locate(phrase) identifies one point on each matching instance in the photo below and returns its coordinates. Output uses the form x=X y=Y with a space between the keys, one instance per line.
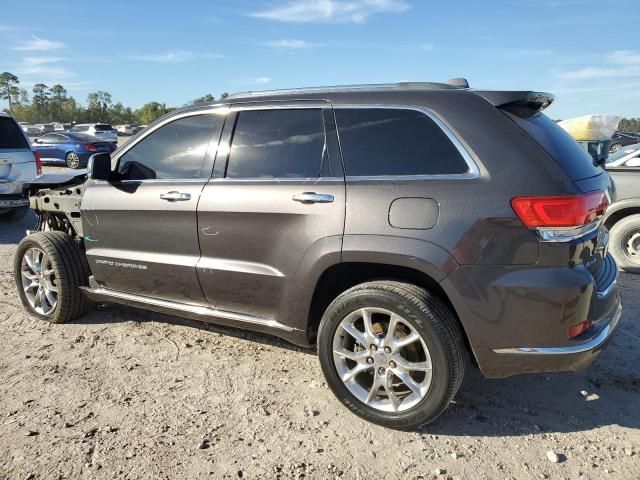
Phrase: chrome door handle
x=175 y=196
x=312 y=197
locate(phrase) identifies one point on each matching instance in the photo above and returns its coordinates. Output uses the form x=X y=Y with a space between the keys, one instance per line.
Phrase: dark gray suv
x=406 y=230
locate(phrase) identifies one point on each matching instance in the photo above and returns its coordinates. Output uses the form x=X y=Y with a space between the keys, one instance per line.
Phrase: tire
x=615 y=147
x=13 y=214
x=624 y=243
x=63 y=259
x=418 y=312
x=72 y=160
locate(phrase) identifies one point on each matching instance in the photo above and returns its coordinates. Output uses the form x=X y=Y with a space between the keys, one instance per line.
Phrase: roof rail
x=352 y=88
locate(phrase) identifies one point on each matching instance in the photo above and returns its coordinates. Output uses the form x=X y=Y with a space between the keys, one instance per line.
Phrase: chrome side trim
x=581 y=348
x=122 y=297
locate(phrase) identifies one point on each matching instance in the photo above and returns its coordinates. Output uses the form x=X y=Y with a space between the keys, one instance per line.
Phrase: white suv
x=18 y=164
x=103 y=131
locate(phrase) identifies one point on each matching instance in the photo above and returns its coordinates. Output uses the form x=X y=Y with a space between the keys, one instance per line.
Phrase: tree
x=208 y=98
x=150 y=111
x=41 y=100
x=8 y=87
x=98 y=104
x=224 y=95
x=58 y=96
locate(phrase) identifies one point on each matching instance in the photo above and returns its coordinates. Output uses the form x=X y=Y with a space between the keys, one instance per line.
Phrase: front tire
x=392 y=353
x=624 y=243
x=615 y=147
x=72 y=160
x=49 y=269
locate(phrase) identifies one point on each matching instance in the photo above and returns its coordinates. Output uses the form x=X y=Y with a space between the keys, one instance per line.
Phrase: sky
x=585 y=52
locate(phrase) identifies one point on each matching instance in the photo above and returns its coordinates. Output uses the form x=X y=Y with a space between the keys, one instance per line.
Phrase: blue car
x=70 y=148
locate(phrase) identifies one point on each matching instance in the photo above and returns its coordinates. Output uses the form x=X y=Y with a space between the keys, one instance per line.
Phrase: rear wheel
x=624 y=243
x=72 y=160
x=49 y=270
x=615 y=147
x=392 y=353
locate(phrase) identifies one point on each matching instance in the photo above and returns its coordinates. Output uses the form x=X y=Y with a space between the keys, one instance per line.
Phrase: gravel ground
x=124 y=393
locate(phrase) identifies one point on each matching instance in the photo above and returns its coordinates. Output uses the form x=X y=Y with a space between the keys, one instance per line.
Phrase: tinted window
x=80 y=128
x=10 y=134
x=380 y=141
x=175 y=150
x=102 y=127
x=574 y=160
x=277 y=144
x=52 y=138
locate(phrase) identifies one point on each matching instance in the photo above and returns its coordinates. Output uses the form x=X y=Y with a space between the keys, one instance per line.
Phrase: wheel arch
x=620 y=210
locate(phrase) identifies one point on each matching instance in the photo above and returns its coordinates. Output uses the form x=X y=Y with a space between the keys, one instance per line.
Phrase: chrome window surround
x=473 y=172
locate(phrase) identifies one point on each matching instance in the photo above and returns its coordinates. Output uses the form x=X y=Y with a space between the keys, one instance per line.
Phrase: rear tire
x=72 y=160
x=49 y=269
x=624 y=243
x=382 y=393
x=615 y=147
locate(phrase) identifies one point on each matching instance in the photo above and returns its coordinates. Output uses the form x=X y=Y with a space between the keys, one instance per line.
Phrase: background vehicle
x=70 y=148
x=125 y=129
x=32 y=131
x=18 y=164
x=237 y=213
x=623 y=216
x=620 y=140
x=104 y=131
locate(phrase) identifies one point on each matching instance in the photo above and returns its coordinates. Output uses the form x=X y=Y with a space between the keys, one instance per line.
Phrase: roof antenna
x=458 y=82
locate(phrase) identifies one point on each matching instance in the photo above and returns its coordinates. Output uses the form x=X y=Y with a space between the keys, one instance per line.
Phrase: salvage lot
x=123 y=393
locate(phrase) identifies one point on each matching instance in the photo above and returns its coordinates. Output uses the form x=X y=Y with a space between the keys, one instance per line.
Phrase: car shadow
x=12 y=231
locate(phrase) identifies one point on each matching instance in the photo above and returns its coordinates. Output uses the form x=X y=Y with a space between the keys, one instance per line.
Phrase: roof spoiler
x=535 y=100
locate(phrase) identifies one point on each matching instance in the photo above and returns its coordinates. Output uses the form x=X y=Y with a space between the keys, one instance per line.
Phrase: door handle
x=175 y=196
x=312 y=197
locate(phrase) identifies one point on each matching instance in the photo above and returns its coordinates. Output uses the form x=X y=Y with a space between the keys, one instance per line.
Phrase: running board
x=181 y=309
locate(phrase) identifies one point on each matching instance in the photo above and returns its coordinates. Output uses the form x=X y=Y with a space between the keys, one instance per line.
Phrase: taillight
x=92 y=148
x=561 y=218
x=579 y=328
x=36 y=155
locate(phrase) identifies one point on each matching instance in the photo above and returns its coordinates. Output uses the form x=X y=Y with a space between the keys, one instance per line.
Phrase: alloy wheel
x=382 y=359
x=73 y=161
x=631 y=245
x=39 y=281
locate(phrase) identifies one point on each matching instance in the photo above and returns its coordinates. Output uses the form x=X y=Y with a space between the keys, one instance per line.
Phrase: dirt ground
x=124 y=393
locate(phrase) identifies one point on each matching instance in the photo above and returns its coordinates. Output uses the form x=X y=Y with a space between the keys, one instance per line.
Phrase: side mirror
x=100 y=166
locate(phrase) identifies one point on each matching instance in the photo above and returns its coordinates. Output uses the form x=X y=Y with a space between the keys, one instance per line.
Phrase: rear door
x=141 y=230
x=277 y=196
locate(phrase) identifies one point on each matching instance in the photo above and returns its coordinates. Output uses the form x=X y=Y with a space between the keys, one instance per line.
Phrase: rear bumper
x=527 y=359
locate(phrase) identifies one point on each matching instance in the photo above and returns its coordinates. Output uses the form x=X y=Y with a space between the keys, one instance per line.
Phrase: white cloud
x=172 y=56
x=39 y=44
x=333 y=11
x=40 y=60
x=43 y=69
x=261 y=80
x=291 y=44
x=617 y=64
x=624 y=57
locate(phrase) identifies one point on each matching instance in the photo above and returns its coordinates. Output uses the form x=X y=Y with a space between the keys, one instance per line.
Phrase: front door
x=277 y=195
x=141 y=230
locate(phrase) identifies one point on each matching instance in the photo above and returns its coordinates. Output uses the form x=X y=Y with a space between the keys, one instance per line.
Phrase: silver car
x=103 y=131
x=18 y=164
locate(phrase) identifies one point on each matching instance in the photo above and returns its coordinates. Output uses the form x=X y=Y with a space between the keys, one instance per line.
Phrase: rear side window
x=382 y=141
x=277 y=144
x=174 y=151
x=574 y=160
x=10 y=134
x=80 y=128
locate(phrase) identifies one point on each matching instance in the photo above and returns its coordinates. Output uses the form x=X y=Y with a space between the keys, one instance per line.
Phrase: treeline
x=46 y=104
x=629 y=125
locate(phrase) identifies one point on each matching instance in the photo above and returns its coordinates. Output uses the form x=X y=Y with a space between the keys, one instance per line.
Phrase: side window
x=49 y=138
x=175 y=150
x=277 y=144
x=381 y=141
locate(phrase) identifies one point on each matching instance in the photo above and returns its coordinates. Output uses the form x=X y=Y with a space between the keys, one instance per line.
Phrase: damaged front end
x=56 y=198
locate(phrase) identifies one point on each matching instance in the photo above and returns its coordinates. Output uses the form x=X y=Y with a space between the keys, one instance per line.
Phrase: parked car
x=70 y=148
x=32 y=130
x=620 y=140
x=400 y=228
x=18 y=164
x=61 y=127
x=125 y=130
x=623 y=216
x=103 y=131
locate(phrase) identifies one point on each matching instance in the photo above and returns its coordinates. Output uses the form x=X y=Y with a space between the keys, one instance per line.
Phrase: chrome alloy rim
x=631 y=245
x=382 y=360
x=39 y=281
x=73 y=160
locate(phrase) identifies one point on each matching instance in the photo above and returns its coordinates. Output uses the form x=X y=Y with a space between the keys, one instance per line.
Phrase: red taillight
x=36 y=155
x=579 y=328
x=560 y=211
x=92 y=148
